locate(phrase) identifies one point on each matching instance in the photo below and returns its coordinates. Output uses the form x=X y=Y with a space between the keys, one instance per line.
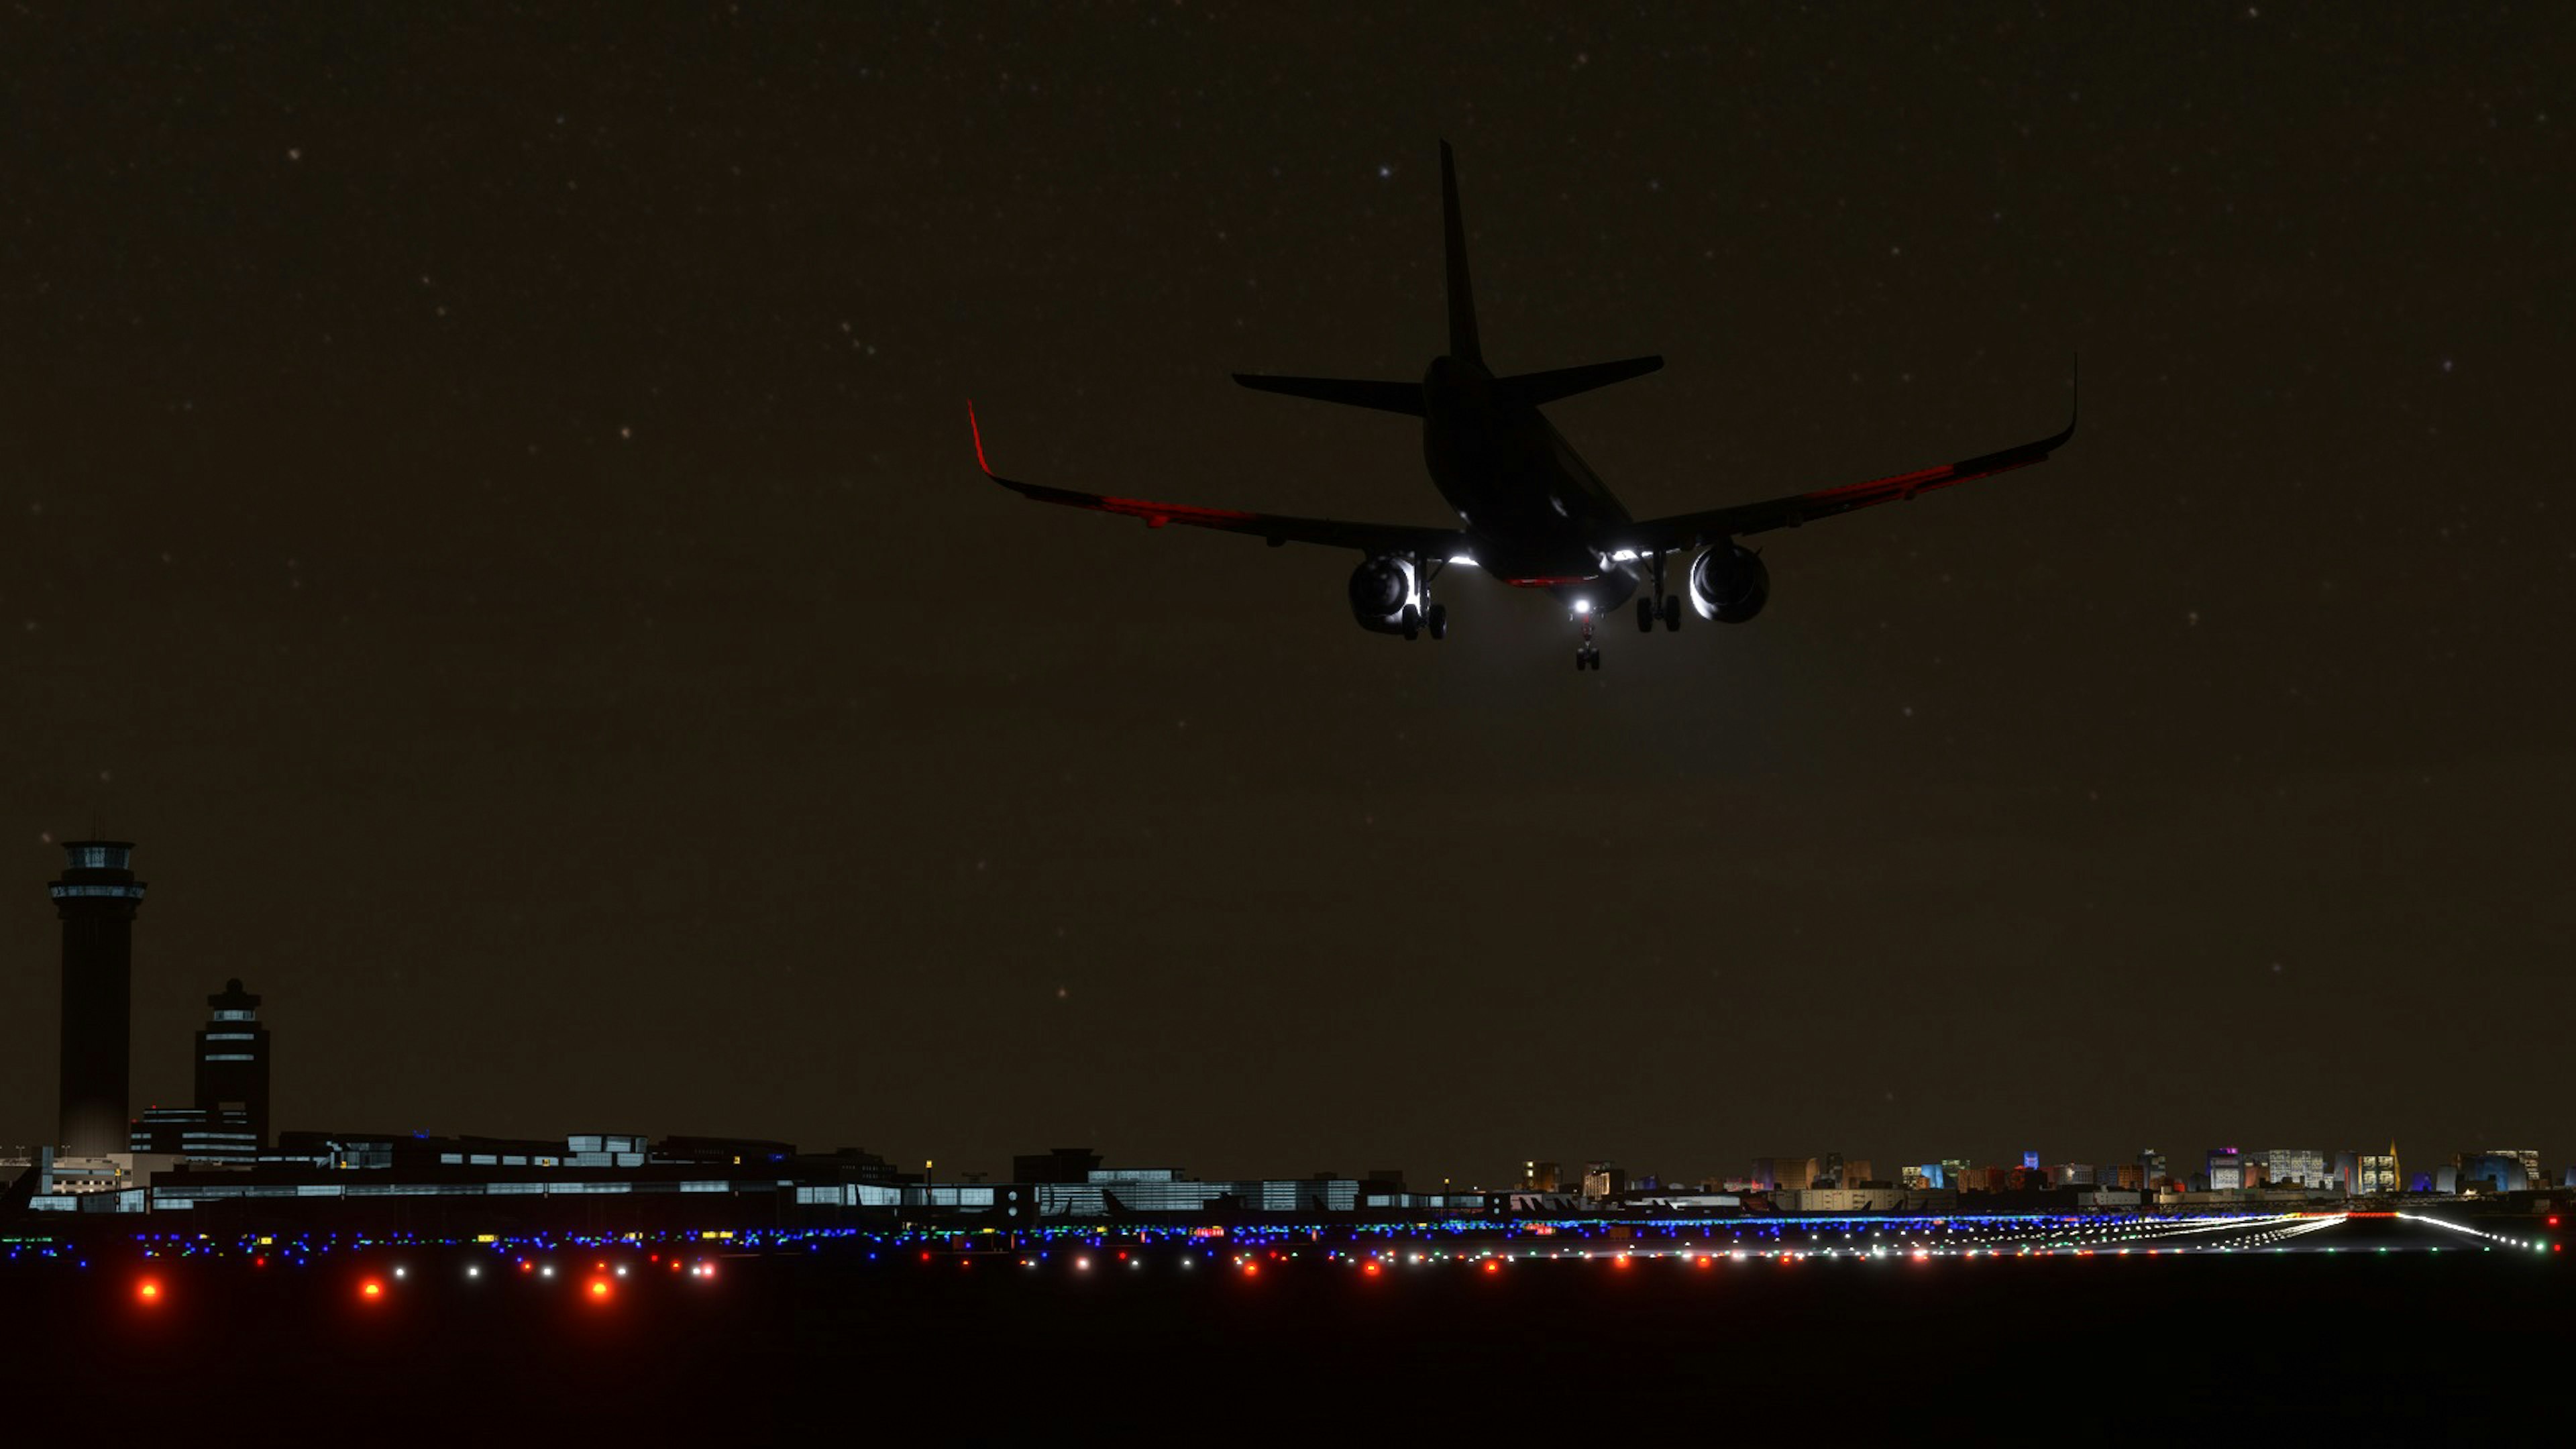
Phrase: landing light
x=1583 y=606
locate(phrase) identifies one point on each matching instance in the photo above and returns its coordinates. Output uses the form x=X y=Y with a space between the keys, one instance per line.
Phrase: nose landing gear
x=1586 y=654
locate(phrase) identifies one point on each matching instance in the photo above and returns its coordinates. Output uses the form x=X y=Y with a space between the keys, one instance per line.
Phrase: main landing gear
x=1416 y=619
x=1659 y=605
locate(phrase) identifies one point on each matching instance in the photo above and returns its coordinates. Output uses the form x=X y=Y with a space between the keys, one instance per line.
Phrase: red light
x=1370 y=1269
x=2553 y=1222
x=925 y=1257
x=675 y=1265
x=259 y=1262
x=1621 y=1260
x=371 y=1290
x=1492 y=1266
x=1251 y=1270
x=598 y=1288
x=526 y=1267
x=148 y=1291
x=1703 y=1262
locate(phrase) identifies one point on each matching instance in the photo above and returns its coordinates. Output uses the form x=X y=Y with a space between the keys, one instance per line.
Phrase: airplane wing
x=1695 y=530
x=1274 y=528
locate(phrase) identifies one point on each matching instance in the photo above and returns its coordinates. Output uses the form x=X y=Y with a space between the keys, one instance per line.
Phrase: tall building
x=2151 y=1164
x=1775 y=1173
x=2295 y=1166
x=230 y=1119
x=2364 y=1173
x=232 y=1060
x=1540 y=1176
x=96 y=899
x=2226 y=1169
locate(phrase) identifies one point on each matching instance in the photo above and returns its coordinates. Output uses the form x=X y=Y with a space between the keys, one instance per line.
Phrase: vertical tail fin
x=1462 y=299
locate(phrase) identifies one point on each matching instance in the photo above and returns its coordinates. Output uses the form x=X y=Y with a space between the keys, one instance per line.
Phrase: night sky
x=487 y=505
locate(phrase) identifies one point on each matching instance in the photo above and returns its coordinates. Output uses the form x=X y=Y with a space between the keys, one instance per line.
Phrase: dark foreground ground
x=978 y=1348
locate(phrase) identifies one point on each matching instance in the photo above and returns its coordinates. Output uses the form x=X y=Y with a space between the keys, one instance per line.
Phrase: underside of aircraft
x=1530 y=512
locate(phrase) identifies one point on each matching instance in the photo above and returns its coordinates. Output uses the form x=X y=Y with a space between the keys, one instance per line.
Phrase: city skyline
x=231 y=1110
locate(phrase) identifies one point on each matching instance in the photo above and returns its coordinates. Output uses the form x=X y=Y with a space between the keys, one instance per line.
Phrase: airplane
x=1530 y=513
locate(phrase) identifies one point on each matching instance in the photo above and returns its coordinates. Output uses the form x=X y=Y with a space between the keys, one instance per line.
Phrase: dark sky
x=487 y=505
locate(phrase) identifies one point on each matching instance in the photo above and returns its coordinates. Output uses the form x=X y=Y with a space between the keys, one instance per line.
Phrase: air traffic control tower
x=96 y=899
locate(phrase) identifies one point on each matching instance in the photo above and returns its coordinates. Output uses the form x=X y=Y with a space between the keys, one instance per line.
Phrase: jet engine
x=1728 y=583
x=1384 y=591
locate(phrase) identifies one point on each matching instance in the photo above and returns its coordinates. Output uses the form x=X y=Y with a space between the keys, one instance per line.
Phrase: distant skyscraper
x=96 y=899
x=1540 y=1176
x=2152 y=1164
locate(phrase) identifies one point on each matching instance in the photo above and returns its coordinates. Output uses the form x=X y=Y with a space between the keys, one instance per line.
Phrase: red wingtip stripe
x=978 y=430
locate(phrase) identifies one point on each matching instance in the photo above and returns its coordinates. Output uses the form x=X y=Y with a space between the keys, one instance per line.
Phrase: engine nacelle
x=1383 y=588
x=1729 y=584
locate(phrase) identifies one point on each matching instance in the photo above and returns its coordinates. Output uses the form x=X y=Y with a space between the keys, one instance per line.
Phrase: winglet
x=978 y=430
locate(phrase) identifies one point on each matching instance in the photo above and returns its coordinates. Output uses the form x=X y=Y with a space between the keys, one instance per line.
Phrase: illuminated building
x=2295 y=1166
x=2528 y=1157
x=1791 y=1173
x=2152 y=1164
x=2365 y=1173
x=2071 y=1174
x=230 y=1119
x=2492 y=1172
x=1604 y=1181
x=2226 y=1170
x=96 y=899
x=2128 y=1175
x=1540 y=1176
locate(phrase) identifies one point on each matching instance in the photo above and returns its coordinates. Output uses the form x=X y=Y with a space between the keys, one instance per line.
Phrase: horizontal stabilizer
x=1386 y=397
x=1533 y=388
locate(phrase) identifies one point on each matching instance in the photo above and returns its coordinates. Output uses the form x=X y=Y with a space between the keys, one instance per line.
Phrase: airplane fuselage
x=1532 y=505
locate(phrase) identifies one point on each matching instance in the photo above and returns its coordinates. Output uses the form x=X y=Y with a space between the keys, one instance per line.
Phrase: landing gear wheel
x=1582 y=660
x=1410 y=621
x=1438 y=621
x=1672 y=612
x=1645 y=616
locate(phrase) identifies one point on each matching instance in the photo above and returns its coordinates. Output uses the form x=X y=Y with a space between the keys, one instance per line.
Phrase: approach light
x=148 y=1291
x=371 y=1290
x=598 y=1289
